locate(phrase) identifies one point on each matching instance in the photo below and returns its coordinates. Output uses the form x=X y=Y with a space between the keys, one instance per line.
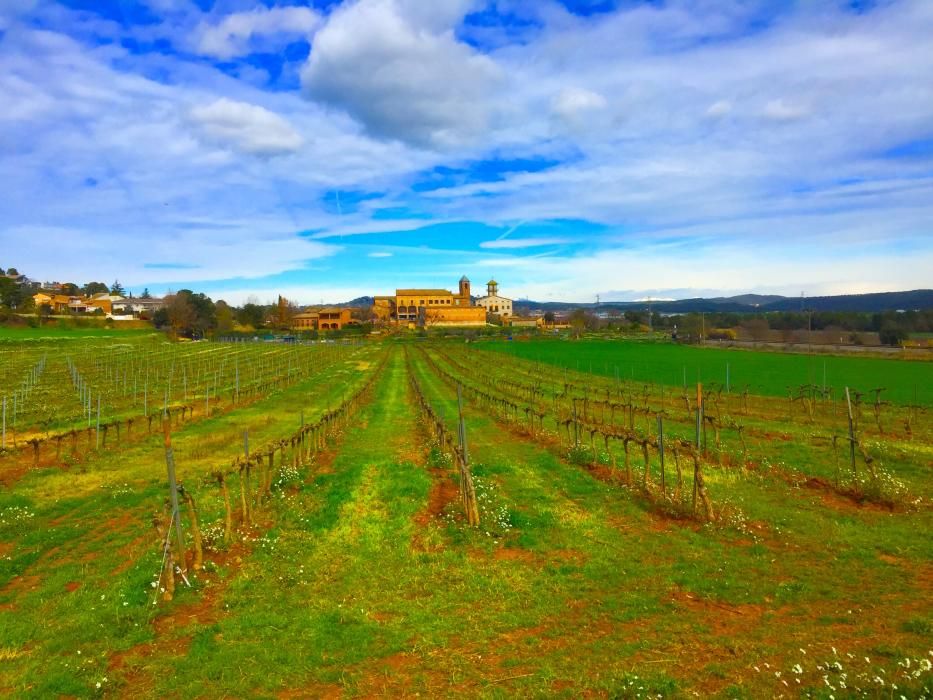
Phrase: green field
x=52 y=331
x=348 y=569
x=771 y=373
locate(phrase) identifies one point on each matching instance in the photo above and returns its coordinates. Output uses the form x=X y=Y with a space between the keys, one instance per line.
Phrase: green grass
x=765 y=372
x=361 y=577
x=53 y=331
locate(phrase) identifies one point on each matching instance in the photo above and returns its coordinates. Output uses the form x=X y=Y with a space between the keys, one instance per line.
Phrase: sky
x=567 y=148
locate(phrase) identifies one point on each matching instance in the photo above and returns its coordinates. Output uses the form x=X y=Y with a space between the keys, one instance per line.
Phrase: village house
x=138 y=306
x=328 y=318
x=305 y=321
x=21 y=280
x=333 y=318
x=109 y=304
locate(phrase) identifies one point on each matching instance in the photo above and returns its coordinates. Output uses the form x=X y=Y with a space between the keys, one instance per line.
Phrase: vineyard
x=448 y=518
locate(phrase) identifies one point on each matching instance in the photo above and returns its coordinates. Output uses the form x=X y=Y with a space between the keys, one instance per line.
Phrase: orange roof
x=425 y=292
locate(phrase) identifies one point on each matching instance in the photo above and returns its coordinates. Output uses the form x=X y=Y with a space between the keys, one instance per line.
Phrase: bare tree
x=757 y=328
x=181 y=314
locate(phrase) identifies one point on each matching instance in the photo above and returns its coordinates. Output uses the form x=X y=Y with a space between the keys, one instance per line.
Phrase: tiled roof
x=425 y=292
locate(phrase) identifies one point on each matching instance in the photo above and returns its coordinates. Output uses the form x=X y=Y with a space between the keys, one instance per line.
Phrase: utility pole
x=810 y=331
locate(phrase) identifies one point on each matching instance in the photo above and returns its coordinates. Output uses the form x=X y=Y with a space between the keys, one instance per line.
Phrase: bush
x=721 y=334
x=892 y=335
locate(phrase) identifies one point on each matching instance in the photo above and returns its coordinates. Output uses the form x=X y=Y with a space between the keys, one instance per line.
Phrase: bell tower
x=492 y=288
x=465 y=289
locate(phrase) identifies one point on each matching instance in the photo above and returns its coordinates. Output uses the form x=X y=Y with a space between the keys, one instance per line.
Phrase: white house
x=493 y=303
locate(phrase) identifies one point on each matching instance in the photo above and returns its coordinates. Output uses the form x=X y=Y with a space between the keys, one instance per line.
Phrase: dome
x=492 y=283
x=464 y=279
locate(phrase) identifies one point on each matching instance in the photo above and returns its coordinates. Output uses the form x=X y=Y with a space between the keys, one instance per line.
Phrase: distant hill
x=749 y=303
x=881 y=301
x=750 y=299
x=742 y=303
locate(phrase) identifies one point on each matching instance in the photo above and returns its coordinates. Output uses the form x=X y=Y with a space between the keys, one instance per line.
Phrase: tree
x=92 y=288
x=251 y=314
x=581 y=320
x=146 y=294
x=70 y=289
x=117 y=289
x=179 y=314
x=203 y=314
x=891 y=334
x=43 y=312
x=757 y=328
x=689 y=327
x=12 y=295
x=13 y=271
x=285 y=312
x=224 y=316
x=549 y=318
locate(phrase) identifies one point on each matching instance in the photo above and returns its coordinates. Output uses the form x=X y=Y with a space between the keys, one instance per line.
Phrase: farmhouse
x=430 y=307
x=305 y=321
x=329 y=318
x=333 y=318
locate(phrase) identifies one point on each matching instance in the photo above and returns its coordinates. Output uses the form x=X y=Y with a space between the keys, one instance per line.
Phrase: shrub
x=892 y=335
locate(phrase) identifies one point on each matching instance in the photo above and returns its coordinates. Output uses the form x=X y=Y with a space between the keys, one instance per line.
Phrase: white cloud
x=170 y=257
x=783 y=111
x=11 y=10
x=726 y=269
x=720 y=108
x=571 y=104
x=380 y=254
x=235 y=34
x=398 y=68
x=688 y=126
x=516 y=243
x=249 y=128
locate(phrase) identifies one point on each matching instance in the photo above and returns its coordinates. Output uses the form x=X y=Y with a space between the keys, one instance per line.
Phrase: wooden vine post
x=228 y=511
x=244 y=479
x=699 y=413
x=661 y=451
x=173 y=492
x=851 y=434
x=469 y=493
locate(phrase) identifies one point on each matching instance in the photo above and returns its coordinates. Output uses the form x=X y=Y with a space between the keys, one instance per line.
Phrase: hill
x=751 y=303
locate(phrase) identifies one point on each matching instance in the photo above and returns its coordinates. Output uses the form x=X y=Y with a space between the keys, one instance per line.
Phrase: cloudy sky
x=567 y=147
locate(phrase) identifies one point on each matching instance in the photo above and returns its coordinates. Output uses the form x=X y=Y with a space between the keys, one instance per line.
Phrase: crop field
x=768 y=373
x=443 y=518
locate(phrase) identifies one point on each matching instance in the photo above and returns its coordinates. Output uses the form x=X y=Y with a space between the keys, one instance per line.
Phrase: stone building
x=493 y=303
x=430 y=307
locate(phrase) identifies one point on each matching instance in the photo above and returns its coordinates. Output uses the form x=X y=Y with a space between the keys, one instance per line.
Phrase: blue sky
x=568 y=148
